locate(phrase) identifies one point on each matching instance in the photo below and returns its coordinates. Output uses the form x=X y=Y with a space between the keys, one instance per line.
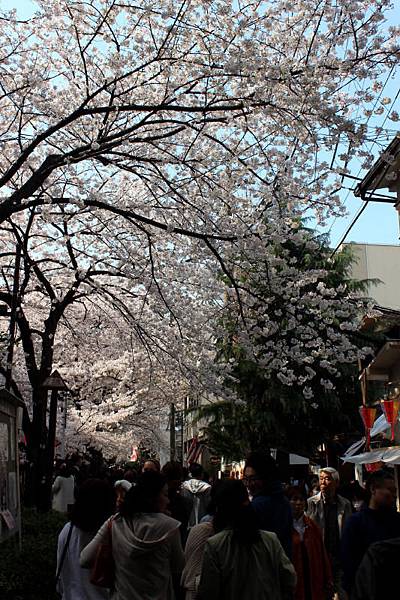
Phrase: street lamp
x=55 y=383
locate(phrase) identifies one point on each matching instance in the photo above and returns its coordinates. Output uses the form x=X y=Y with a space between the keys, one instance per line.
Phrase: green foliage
x=29 y=574
x=273 y=414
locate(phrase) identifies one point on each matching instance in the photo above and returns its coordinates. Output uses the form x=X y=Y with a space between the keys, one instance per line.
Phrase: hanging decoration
x=368 y=414
x=391 y=409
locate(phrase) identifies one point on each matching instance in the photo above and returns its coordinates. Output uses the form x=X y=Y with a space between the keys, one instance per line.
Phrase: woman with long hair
x=240 y=561
x=94 y=504
x=146 y=544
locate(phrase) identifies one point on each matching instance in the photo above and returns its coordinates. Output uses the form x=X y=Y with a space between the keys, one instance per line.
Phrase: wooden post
x=172 y=439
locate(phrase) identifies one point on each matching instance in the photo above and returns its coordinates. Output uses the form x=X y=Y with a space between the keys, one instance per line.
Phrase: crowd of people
x=175 y=536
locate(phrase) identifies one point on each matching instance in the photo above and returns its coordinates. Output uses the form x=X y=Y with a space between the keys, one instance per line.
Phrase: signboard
x=10 y=512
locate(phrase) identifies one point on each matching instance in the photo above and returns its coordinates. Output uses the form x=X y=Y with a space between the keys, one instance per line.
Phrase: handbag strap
x=64 y=552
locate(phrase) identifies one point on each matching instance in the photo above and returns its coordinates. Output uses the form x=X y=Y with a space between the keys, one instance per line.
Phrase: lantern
x=368 y=416
x=391 y=410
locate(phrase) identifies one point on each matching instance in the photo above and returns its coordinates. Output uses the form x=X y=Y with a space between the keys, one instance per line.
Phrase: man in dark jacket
x=378 y=521
x=261 y=476
x=377 y=576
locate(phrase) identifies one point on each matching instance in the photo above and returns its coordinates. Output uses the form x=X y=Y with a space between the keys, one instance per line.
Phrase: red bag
x=103 y=570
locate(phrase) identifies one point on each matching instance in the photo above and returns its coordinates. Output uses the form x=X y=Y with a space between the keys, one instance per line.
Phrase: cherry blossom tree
x=148 y=151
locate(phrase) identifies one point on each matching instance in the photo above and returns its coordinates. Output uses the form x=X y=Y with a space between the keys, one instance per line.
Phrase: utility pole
x=172 y=436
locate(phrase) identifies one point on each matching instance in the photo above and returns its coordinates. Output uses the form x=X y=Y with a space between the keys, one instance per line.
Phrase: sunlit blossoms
x=151 y=151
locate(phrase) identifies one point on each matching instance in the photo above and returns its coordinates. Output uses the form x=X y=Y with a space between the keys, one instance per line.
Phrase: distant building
x=378 y=262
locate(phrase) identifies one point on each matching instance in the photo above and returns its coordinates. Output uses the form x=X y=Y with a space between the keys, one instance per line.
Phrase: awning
x=390 y=456
x=295 y=459
x=380 y=426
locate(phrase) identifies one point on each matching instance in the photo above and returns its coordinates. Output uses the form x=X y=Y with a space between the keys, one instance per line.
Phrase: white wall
x=378 y=261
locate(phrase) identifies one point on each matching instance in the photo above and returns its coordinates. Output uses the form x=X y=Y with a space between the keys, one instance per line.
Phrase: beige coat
x=147 y=552
x=315 y=510
x=63 y=493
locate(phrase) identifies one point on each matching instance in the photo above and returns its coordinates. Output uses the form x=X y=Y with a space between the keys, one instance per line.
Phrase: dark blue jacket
x=361 y=530
x=274 y=514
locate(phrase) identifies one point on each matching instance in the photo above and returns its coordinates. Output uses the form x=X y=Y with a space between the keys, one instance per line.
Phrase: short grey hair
x=331 y=471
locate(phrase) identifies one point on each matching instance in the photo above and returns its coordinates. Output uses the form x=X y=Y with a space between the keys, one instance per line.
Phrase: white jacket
x=74 y=582
x=199 y=492
x=63 y=493
x=147 y=552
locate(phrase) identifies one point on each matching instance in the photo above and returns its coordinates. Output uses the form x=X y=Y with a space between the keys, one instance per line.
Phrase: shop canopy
x=381 y=425
x=390 y=456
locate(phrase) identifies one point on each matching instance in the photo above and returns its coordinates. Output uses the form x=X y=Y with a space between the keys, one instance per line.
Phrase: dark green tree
x=272 y=411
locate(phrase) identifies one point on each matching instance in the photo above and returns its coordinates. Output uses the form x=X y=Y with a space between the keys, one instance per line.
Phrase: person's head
x=328 y=481
x=64 y=470
x=121 y=486
x=196 y=470
x=381 y=490
x=260 y=472
x=233 y=510
x=150 y=494
x=93 y=505
x=130 y=475
x=76 y=460
x=173 y=473
x=297 y=499
x=151 y=464
x=357 y=495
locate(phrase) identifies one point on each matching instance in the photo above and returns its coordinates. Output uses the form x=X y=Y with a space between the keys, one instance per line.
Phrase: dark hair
x=143 y=496
x=172 y=471
x=212 y=507
x=296 y=491
x=154 y=461
x=64 y=470
x=130 y=475
x=231 y=511
x=264 y=465
x=196 y=470
x=376 y=480
x=93 y=505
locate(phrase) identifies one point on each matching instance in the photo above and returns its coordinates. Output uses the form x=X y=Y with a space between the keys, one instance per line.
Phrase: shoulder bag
x=103 y=570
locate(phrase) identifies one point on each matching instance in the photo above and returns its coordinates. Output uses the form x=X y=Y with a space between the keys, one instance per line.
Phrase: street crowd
x=172 y=535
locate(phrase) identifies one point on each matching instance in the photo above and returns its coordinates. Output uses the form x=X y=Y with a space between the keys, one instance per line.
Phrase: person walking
x=195 y=544
x=310 y=559
x=146 y=544
x=63 y=490
x=378 y=521
x=94 y=504
x=196 y=491
x=240 y=561
x=121 y=486
x=330 y=511
x=180 y=506
x=377 y=576
x=272 y=508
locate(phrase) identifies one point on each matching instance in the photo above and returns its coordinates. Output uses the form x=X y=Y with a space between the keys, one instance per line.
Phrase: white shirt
x=74 y=582
x=300 y=526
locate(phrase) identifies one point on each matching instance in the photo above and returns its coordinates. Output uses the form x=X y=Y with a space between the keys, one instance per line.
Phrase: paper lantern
x=391 y=410
x=368 y=414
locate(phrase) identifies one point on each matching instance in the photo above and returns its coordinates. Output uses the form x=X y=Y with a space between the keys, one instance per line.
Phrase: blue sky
x=379 y=223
